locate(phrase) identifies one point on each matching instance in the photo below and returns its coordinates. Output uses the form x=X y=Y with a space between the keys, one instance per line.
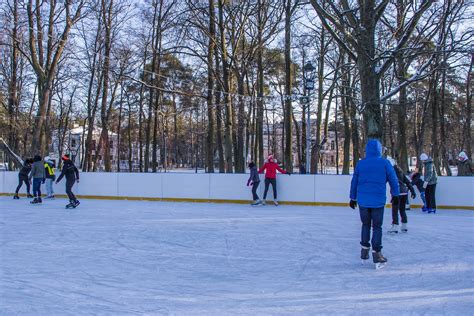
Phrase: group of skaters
x=37 y=171
x=368 y=191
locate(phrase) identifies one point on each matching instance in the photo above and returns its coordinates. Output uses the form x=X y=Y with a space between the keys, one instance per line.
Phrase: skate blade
x=380 y=265
x=364 y=261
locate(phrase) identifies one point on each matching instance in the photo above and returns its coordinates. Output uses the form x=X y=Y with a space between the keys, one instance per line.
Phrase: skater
x=430 y=180
x=417 y=181
x=464 y=165
x=49 y=165
x=23 y=178
x=38 y=175
x=254 y=181
x=405 y=186
x=72 y=175
x=270 y=167
x=368 y=190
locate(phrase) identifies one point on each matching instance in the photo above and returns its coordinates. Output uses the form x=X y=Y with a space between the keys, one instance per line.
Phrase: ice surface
x=153 y=258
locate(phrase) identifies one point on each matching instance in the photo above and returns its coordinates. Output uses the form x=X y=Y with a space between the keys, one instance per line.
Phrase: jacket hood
x=373 y=149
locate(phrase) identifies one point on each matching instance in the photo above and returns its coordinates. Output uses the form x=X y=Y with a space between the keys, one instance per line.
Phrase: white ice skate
x=393 y=229
x=379 y=260
x=404 y=228
x=257 y=203
x=275 y=202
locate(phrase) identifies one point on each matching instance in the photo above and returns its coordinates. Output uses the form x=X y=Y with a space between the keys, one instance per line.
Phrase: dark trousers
x=69 y=185
x=254 y=190
x=37 y=186
x=20 y=183
x=371 y=218
x=430 y=194
x=400 y=208
x=273 y=182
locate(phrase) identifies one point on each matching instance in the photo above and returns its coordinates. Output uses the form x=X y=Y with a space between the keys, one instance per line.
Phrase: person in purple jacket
x=368 y=190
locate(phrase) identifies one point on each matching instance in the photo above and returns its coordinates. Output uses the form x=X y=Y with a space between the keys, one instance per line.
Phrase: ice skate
x=16 y=197
x=364 y=254
x=424 y=209
x=379 y=260
x=404 y=228
x=256 y=203
x=275 y=202
x=264 y=202
x=49 y=197
x=70 y=205
x=30 y=196
x=393 y=229
x=431 y=210
x=35 y=201
x=75 y=203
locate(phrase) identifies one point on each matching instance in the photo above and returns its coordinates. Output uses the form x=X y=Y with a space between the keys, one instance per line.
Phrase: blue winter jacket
x=369 y=183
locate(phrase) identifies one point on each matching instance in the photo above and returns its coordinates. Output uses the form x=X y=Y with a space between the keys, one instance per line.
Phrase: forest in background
x=205 y=84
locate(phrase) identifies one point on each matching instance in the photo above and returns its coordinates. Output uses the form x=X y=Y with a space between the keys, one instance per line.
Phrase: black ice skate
x=364 y=254
x=256 y=203
x=76 y=203
x=35 y=201
x=30 y=196
x=379 y=260
x=16 y=197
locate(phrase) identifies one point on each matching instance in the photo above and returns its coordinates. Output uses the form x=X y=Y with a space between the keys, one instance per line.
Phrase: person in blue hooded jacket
x=368 y=190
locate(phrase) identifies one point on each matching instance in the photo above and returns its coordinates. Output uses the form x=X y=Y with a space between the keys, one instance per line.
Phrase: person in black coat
x=71 y=173
x=254 y=181
x=400 y=207
x=23 y=178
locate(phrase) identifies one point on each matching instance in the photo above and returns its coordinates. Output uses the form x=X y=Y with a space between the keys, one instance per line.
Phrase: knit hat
x=423 y=157
x=462 y=156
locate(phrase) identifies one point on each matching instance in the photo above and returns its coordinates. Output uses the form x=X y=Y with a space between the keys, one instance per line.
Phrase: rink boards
x=330 y=190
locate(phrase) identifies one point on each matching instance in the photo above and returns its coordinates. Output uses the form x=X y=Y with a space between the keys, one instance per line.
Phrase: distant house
x=74 y=145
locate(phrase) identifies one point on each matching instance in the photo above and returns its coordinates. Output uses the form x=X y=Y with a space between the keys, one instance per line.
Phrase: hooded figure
x=368 y=189
x=464 y=165
x=49 y=166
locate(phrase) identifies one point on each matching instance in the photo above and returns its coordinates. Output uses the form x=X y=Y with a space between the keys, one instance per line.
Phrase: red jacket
x=271 y=170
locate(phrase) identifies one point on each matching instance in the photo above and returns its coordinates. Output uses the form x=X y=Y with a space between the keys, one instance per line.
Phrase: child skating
x=71 y=173
x=430 y=178
x=254 y=181
x=49 y=165
x=400 y=207
x=417 y=181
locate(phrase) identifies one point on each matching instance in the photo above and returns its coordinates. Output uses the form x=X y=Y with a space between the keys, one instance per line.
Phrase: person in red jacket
x=270 y=167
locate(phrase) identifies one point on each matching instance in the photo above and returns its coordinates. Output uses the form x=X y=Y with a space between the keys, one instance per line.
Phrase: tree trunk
x=288 y=112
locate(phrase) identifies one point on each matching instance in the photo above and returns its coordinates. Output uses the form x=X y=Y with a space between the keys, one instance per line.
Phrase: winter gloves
x=249 y=183
x=353 y=204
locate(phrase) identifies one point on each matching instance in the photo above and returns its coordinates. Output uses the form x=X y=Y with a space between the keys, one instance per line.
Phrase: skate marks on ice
x=128 y=257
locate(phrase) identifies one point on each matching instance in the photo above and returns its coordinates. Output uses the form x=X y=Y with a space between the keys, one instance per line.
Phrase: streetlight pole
x=309 y=85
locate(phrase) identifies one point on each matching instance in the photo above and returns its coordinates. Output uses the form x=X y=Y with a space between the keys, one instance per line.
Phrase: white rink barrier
x=451 y=192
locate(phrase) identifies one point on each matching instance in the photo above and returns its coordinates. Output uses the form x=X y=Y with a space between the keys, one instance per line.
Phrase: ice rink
x=157 y=258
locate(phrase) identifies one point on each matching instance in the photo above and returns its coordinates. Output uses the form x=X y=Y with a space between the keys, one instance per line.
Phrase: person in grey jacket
x=464 y=165
x=38 y=175
x=430 y=180
x=254 y=181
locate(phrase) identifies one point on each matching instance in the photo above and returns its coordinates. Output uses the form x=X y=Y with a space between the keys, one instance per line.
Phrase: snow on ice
x=156 y=258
